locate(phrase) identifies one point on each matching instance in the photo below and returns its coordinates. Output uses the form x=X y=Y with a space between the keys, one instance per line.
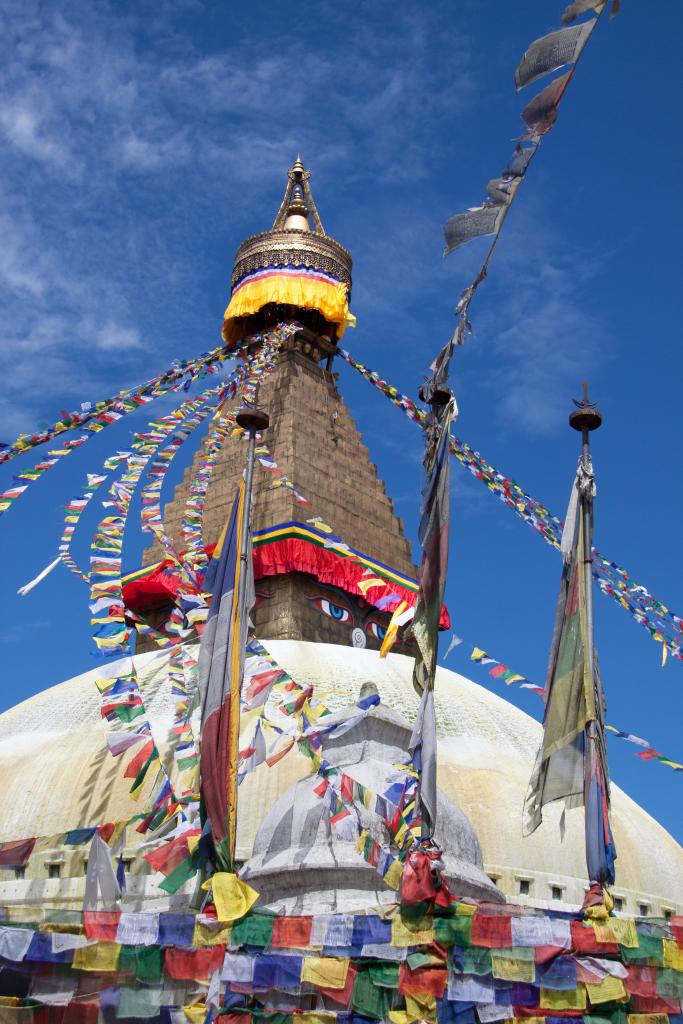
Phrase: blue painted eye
x=377 y=631
x=335 y=611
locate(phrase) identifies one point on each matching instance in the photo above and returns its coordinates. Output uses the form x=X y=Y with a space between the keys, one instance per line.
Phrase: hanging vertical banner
x=572 y=762
x=221 y=666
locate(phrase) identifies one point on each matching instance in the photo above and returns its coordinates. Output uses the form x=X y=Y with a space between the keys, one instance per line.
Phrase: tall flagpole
x=600 y=850
x=253 y=421
x=586 y=418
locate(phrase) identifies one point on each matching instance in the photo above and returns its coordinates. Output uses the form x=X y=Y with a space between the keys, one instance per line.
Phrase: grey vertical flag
x=463 y=227
x=424 y=739
x=552 y=52
x=100 y=879
x=518 y=162
x=502 y=190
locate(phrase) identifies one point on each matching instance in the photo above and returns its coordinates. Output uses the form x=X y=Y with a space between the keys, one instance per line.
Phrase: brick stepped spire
x=312 y=438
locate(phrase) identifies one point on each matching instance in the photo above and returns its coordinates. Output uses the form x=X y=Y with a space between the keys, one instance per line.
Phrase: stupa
x=313 y=621
x=326 y=913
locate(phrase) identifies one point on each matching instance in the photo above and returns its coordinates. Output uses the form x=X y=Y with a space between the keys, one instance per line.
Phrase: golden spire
x=298 y=204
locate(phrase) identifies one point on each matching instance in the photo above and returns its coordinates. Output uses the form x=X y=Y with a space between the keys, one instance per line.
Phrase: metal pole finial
x=586 y=416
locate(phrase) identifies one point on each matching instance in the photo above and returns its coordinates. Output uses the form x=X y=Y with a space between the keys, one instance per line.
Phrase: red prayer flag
x=430 y=980
x=492 y=931
x=544 y=954
x=78 y=1012
x=101 y=924
x=16 y=853
x=642 y=980
x=259 y=682
x=193 y=965
x=292 y=932
x=136 y=763
x=168 y=856
x=654 y=1004
x=584 y=940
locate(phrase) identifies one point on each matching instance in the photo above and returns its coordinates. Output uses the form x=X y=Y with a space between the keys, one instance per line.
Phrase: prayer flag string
x=94 y=418
x=613 y=580
x=546 y=55
x=509 y=677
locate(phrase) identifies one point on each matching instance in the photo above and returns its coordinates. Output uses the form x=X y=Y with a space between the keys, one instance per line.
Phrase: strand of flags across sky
x=505 y=674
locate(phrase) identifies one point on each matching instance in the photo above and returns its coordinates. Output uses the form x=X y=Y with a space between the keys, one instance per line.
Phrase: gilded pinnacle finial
x=298 y=204
x=298 y=168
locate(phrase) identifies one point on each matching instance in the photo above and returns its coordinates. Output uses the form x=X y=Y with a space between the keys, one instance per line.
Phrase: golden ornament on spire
x=294 y=267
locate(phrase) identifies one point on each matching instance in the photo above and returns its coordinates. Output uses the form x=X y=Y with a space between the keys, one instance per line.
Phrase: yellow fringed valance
x=303 y=290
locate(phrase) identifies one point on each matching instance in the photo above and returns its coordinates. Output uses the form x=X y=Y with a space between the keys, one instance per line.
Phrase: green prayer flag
x=253 y=930
x=140 y=777
x=453 y=931
x=669 y=983
x=139 y=1002
x=614 y=1016
x=384 y=975
x=129 y=714
x=476 y=960
x=649 y=950
x=181 y=874
x=369 y=999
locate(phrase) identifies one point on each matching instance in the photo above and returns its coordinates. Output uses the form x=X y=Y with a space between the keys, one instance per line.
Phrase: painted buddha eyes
x=379 y=632
x=335 y=611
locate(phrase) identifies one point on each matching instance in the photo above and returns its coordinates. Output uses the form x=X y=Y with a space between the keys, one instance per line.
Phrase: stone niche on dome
x=299 y=866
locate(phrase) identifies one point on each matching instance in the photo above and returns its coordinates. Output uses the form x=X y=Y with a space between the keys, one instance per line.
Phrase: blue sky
x=141 y=142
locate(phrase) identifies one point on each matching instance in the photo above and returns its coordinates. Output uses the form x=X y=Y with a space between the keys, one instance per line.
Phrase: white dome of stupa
x=58 y=774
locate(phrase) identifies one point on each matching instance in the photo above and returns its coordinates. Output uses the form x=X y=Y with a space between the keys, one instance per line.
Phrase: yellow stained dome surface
x=58 y=773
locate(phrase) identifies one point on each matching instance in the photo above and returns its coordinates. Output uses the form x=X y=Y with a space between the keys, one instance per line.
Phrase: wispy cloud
x=122 y=132
x=543 y=333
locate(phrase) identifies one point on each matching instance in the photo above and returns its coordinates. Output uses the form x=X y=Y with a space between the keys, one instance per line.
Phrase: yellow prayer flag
x=103 y=956
x=510 y=968
x=647 y=1018
x=232 y=897
x=617 y=929
x=403 y=934
x=465 y=909
x=314 y=1017
x=392 y=630
x=206 y=935
x=195 y=1014
x=673 y=954
x=325 y=971
x=477 y=653
x=369 y=583
x=394 y=875
x=421 y=1007
x=63 y=929
x=608 y=990
x=568 y=999
x=320 y=525
x=398 y=1017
